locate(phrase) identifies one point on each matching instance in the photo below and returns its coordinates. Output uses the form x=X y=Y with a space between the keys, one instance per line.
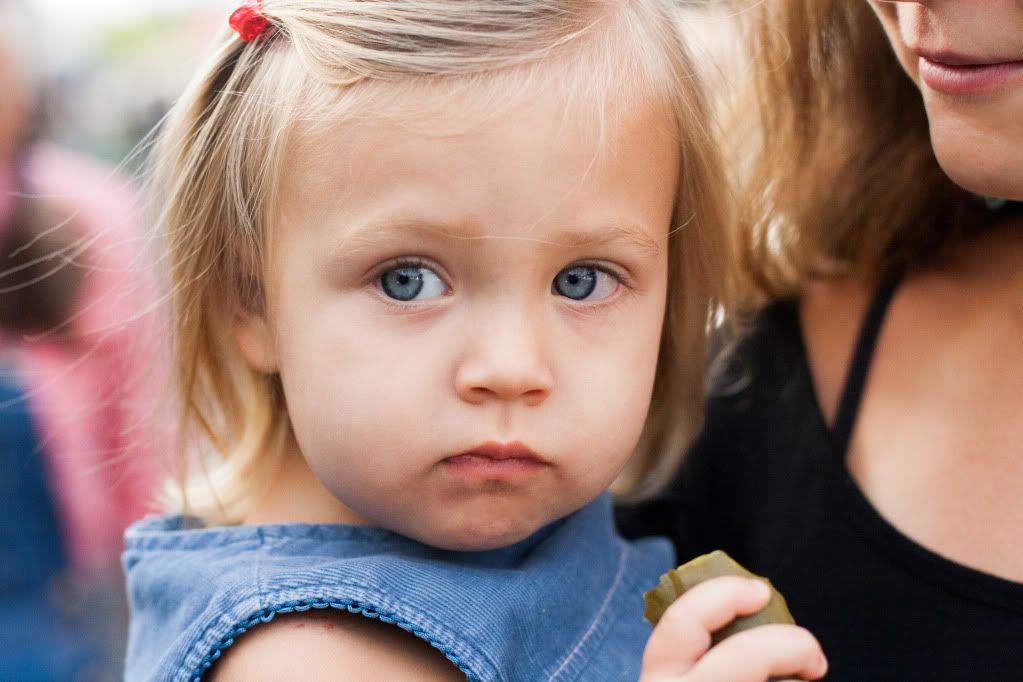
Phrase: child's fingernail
x=761 y=587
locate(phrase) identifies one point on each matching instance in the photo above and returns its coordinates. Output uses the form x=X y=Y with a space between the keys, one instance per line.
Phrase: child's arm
x=331 y=646
x=680 y=650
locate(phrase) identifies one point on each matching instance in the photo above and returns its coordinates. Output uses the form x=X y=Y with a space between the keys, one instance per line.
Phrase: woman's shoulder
x=814 y=332
x=831 y=315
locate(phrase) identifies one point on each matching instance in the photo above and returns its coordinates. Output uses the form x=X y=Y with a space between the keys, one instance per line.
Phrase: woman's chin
x=995 y=175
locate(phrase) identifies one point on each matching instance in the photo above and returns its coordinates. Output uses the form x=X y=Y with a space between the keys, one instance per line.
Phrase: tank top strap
x=859 y=367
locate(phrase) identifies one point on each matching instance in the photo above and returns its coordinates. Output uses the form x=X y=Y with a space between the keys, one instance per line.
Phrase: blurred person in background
x=73 y=389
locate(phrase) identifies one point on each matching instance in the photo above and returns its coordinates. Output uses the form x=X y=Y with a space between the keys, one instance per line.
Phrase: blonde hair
x=841 y=179
x=220 y=158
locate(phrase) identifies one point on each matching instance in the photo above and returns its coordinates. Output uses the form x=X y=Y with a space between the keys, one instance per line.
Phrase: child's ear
x=255 y=341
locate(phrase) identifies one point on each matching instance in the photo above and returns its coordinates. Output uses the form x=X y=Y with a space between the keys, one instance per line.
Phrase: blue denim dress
x=565 y=604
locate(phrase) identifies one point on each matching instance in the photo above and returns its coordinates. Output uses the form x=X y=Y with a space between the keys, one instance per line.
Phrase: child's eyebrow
x=380 y=234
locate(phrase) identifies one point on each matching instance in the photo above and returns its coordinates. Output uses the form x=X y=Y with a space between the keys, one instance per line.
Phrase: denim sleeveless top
x=564 y=604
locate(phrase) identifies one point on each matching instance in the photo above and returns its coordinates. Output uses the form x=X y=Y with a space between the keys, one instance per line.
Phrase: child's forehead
x=420 y=144
x=426 y=107
x=399 y=132
x=590 y=84
x=536 y=180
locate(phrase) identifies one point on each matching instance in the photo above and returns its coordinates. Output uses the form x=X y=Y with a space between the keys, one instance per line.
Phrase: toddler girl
x=441 y=273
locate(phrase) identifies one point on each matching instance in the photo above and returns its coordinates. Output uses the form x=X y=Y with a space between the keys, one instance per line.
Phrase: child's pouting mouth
x=509 y=462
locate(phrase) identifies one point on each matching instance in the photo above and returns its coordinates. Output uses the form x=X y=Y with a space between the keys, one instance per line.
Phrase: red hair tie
x=248 y=21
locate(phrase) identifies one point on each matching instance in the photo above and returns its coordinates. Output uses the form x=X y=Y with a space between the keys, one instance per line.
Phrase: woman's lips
x=496 y=462
x=961 y=75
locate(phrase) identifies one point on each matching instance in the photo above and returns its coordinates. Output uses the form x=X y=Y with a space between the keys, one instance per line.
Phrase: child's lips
x=493 y=461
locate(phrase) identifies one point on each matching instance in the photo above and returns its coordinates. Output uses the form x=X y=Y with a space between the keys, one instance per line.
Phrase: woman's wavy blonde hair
x=221 y=155
x=838 y=178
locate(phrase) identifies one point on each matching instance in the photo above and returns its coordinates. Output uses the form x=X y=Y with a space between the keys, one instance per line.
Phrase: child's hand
x=680 y=650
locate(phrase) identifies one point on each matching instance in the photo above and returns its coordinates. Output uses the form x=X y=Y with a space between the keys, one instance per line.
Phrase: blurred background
x=81 y=83
x=110 y=68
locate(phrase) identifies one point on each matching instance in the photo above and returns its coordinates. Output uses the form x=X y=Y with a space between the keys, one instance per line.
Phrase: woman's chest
x=938 y=451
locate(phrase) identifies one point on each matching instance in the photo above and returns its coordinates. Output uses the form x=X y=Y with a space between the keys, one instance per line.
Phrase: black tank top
x=767 y=482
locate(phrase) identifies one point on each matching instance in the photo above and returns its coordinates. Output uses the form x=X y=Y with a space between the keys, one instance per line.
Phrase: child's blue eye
x=584 y=282
x=408 y=283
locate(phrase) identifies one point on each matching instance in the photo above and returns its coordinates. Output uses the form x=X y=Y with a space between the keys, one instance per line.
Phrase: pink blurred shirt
x=92 y=399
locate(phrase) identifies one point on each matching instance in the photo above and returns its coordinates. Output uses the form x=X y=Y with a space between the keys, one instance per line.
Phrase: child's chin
x=483 y=537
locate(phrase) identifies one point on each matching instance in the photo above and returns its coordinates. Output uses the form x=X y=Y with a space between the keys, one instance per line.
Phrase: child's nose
x=505 y=360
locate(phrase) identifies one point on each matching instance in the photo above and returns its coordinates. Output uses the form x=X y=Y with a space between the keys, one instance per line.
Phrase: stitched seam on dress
x=267 y=614
x=259 y=567
x=600 y=613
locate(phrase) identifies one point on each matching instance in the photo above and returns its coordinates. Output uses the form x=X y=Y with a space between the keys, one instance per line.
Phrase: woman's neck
x=991 y=260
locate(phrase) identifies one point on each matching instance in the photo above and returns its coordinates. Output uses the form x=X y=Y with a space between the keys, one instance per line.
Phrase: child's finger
x=683 y=634
x=767 y=651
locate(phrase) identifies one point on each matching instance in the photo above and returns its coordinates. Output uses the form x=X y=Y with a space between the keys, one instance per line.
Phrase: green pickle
x=674 y=584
